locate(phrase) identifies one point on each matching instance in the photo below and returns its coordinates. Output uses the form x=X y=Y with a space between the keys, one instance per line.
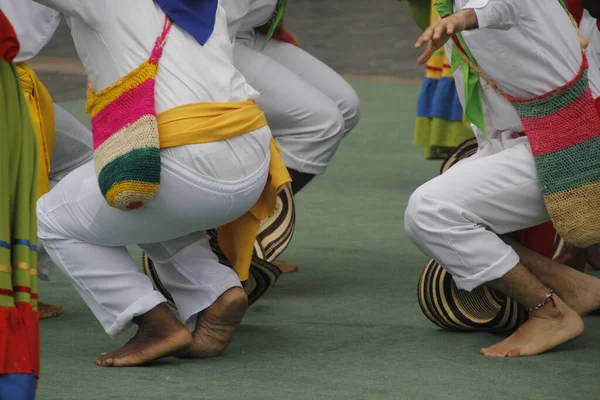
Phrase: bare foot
x=217 y=324
x=285 y=267
x=546 y=328
x=49 y=310
x=159 y=335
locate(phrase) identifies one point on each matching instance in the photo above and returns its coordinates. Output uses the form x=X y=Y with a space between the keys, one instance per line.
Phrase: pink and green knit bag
x=125 y=134
x=563 y=128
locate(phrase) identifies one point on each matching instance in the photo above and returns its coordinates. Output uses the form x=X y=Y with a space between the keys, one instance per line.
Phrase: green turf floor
x=348 y=325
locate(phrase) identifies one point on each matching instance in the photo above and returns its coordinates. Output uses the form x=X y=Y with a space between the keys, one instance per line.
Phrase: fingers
x=450 y=28
x=426 y=54
x=424 y=38
x=439 y=30
x=435 y=36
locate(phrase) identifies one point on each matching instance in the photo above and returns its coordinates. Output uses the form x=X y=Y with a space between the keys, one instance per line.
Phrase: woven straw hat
x=464 y=150
x=274 y=235
x=483 y=309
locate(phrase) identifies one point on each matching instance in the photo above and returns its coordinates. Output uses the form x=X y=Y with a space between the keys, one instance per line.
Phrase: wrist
x=468 y=19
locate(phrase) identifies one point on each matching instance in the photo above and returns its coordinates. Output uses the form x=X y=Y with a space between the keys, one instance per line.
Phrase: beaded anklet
x=549 y=298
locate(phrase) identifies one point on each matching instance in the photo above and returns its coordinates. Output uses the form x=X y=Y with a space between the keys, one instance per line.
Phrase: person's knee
x=422 y=217
x=414 y=215
x=45 y=228
x=350 y=109
x=327 y=123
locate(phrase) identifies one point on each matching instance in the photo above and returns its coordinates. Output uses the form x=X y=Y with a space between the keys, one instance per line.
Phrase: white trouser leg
x=456 y=217
x=72 y=149
x=307 y=124
x=191 y=273
x=317 y=74
x=73 y=145
x=85 y=236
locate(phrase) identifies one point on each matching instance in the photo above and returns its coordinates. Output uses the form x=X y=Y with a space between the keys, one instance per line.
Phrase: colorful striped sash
x=125 y=134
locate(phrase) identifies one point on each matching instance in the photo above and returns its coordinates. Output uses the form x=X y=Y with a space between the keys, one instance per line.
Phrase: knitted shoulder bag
x=563 y=128
x=125 y=134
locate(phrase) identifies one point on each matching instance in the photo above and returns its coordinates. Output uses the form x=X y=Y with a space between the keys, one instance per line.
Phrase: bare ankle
x=554 y=309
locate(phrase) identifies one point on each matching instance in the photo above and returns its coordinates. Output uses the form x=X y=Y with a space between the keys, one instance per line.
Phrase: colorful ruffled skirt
x=440 y=124
x=19 y=318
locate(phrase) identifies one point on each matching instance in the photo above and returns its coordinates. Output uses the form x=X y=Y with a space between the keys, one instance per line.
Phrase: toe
x=513 y=353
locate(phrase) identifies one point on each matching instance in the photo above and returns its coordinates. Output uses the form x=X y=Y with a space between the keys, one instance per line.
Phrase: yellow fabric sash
x=212 y=122
x=41 y=110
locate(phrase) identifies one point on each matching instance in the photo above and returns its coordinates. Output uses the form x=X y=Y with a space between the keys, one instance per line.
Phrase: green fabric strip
x=549 y=105
x=579 y=165
x=278 y=16
x=472 y=87
x=142 y=165
x=18 y=193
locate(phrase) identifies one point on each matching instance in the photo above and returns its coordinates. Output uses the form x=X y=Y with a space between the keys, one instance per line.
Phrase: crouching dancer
x=175 y=153
x=522 y=79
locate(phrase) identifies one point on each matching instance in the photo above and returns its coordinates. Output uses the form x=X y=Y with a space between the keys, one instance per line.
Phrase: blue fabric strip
x=196 y=17
x=24 y=242
x=17 y=386
x=439 y=99
x=5 y=245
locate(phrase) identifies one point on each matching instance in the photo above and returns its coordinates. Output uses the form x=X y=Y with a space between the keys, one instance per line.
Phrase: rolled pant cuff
x=188 y=312
x=140 y=307
x=306 y=167
x=495 y=271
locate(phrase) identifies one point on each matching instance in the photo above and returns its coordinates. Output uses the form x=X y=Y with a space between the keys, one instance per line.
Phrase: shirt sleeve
x=67 y=7
x=496 y=14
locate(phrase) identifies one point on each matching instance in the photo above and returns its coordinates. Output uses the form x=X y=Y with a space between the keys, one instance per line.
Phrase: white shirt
x=527 y=47
x=114 y=37
x=34 y=25
x=590 y=30
x=245 y=15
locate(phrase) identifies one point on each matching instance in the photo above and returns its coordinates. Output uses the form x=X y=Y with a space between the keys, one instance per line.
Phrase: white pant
x=72 y=149
x=308 y=105
x=86 y=238
x=456 y=217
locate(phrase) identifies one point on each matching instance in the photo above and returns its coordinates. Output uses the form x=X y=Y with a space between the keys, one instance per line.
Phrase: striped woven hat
x=274 y=235
x=263 y=274
x=483 y=309
x=462 y=151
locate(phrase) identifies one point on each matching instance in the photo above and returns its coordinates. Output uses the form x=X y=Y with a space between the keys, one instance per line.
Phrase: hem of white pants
x=216 y=290
x=299 y=165
x=495 y=271
x=142 y=306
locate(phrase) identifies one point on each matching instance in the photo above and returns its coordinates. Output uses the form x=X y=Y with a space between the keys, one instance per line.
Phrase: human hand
x=439 y=33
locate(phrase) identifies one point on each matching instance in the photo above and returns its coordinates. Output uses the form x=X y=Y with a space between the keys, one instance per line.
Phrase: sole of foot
x=218 y=324
x=160 y=334
x=285 y=267
x=546 y=328
x=47 y=311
